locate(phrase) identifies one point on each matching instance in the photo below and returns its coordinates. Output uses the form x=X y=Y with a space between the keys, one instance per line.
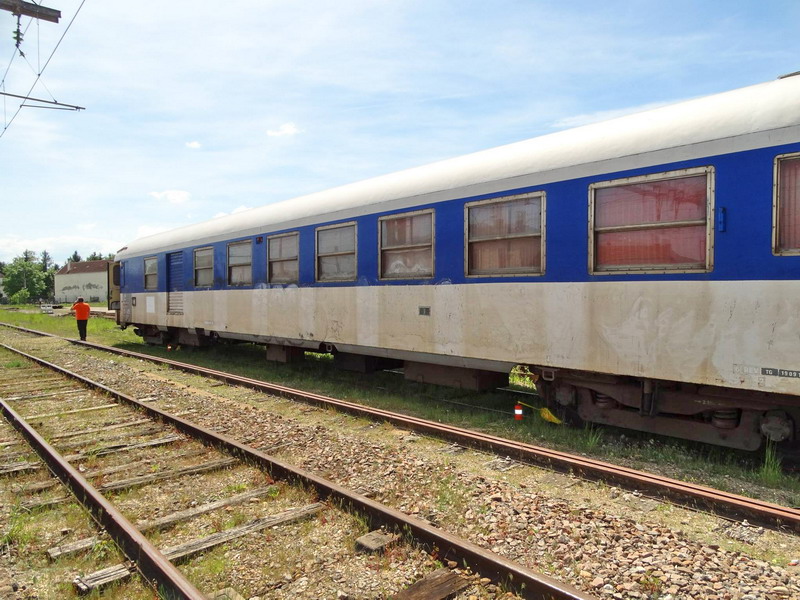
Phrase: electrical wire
x=47 y=62
x=14 y=54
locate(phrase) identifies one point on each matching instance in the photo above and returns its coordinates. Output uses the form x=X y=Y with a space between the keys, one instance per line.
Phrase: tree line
x=31 y=276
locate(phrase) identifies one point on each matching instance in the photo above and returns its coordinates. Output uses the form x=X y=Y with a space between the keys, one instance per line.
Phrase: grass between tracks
x=757 y=474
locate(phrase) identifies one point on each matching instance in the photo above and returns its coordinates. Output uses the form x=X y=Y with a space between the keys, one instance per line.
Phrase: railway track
x=92 y=423
x=721 y=503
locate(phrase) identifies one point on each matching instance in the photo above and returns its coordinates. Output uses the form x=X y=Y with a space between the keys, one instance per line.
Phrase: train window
x=654 y=223
x=406 y=245
x=283 y=258
x=204 y=267
x=786 y=237
x=336 y=253
x=240 y=263
x=505 y=236
x=151 y=273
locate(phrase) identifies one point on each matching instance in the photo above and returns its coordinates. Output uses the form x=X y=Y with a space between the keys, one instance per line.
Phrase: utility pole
x=29 y=9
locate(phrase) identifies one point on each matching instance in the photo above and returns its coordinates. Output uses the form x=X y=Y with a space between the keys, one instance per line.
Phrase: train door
x=113 y=286
x=175 y=285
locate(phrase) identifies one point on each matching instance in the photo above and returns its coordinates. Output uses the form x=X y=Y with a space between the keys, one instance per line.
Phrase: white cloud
x=194 y=145
x=172 y=196
x=59 y=247
x=285 y=129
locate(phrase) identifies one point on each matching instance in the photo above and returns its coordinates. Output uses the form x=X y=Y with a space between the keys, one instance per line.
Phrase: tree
x=46 y=259
x=29 y=256
x=75 y=257
x=95 y=256
x=49 y=269
x=24 y=275
x=21 y=297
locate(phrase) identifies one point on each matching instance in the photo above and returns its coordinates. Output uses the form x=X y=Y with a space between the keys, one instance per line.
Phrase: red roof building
x=87 y=279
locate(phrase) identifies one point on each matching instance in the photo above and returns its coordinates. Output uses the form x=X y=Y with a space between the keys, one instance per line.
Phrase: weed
x=210 y=566
x=236 y=488
x=18 y=532
x=449 y=496
x=651 y=585
x=103 y=549
x=771 y=471
x=592 y=437
x=235 y=519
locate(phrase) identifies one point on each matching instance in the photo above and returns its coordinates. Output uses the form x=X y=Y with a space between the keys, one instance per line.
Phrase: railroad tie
x=98 y=579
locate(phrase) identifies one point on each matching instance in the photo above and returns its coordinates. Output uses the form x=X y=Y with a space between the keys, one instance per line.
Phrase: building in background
x=88 y=279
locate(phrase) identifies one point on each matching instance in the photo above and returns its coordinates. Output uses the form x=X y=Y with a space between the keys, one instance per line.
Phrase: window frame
x=776 y=220
x=317 y=255
x=195 y=268
x=709 y=173
x=151 y=260
x=542 y=234
x=296 y=258
x=228 y=265
x=432 y=244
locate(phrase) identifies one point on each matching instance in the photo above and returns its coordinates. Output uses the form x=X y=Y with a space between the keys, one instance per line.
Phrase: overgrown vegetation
x=754 y=473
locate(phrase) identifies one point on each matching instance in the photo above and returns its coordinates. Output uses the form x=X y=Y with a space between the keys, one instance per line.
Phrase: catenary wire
x=47 y=62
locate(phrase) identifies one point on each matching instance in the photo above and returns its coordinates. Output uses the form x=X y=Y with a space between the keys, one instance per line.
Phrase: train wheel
x=562 y=400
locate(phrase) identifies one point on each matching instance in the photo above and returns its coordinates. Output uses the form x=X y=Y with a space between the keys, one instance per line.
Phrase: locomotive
x=646 y=269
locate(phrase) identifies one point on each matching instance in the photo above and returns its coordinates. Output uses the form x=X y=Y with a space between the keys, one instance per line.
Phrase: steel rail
x=692 y=495
x=526 y=582
x=149 y=561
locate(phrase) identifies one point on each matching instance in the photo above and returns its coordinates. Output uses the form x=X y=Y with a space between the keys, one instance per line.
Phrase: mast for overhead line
x=29 y=9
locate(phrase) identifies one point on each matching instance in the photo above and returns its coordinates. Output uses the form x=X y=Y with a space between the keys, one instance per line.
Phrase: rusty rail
x=153 y=566
x=527 y=583
x=725 y=504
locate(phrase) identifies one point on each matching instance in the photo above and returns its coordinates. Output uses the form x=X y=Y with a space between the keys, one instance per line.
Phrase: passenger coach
x=645 y=268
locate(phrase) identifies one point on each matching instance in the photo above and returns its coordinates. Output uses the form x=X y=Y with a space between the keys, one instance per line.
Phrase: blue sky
x=195 y=109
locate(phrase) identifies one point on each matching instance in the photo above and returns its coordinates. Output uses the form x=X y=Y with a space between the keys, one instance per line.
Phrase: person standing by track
x=81 y=310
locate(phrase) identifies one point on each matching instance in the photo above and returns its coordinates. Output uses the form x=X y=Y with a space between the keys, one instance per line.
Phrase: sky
x=193 y=110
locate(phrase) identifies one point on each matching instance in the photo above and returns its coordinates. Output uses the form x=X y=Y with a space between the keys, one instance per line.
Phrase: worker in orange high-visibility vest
x=81 y=310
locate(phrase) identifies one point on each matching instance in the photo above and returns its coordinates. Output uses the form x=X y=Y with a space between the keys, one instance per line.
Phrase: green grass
x=726 y=469
x=19 y=531
x=771 y=471
x=100 y=330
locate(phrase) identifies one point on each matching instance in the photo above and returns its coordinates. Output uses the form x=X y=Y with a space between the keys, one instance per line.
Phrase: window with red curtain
x=788 y=211
x=652 y=224
x=407 y=245
x=505 y=237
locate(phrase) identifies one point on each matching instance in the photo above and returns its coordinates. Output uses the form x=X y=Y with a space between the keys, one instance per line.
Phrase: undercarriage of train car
x=734 y=418
x=741 y=419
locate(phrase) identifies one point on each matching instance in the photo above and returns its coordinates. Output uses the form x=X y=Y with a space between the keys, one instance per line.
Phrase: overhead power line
x=59 y=104
x=14 y=5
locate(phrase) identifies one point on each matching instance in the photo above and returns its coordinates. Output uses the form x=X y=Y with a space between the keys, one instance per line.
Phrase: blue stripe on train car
x=743 y=251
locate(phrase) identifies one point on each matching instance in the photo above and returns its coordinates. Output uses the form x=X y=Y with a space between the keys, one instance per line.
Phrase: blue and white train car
x=646 y=268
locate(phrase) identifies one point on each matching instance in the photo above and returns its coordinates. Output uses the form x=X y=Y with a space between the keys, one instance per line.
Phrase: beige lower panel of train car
x=737 y=334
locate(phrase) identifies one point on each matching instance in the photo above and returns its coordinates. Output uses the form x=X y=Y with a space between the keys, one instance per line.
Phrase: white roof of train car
x=752 y=117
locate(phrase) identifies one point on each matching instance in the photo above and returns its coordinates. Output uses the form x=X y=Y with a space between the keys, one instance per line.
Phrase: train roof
x=762 y=115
